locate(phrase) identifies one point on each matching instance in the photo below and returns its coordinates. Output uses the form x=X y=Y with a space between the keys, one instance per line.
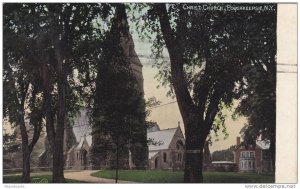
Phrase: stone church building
x=167 y=149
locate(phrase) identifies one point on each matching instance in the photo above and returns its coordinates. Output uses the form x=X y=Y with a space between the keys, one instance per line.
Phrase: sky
x=167 y=116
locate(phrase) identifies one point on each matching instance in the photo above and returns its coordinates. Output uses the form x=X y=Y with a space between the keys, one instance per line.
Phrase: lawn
x=153 y=176
x=35 y=179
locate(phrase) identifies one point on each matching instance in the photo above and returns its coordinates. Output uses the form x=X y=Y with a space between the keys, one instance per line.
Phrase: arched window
x=179 y=157
x=179 y=145
x=165 y=157
x=156 y=163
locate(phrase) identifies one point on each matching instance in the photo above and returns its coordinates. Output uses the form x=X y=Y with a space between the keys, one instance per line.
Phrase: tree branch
x=213 y=109
x=183 y=96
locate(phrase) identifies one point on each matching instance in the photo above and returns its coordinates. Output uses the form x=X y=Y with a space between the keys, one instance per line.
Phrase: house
x=253 y=158
x=167 y=148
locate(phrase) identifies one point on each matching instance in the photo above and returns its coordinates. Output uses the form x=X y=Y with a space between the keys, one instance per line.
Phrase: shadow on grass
x=157 y=176
x=35 y=179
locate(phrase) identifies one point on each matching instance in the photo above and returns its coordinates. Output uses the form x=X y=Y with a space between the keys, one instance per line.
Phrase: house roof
x=263 y=144
x=163 y=137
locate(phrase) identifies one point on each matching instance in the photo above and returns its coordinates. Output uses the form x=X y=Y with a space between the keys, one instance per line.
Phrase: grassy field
x=34 y=179
x=150 y=176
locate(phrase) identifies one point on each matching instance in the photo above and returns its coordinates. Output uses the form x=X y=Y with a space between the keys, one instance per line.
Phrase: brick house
x=168 y=153
x=253 y=158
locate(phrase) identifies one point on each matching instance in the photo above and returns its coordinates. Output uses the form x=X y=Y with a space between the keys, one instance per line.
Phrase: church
x=166 y=147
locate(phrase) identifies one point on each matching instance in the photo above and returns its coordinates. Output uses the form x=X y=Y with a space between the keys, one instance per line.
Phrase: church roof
x=88 y=139
x=163 y=137
x=151 y=154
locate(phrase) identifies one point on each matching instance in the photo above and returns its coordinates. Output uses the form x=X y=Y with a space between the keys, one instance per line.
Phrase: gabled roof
x=81 y=125
x=88 y=140
x=163 y=137
x=263 y=144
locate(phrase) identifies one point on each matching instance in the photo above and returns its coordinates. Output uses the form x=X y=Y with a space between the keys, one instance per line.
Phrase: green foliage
x=223 y=155
x=218 y=49
x=10 y=144
x=259 y=91
x=28 y=36
x=118 y=107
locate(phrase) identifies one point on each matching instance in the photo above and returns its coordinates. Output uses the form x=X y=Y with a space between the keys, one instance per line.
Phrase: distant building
x=253 y=158
x=223 y=166
x=167 y=148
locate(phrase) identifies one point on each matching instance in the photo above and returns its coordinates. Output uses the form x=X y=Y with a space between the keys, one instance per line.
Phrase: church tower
x=135 y=155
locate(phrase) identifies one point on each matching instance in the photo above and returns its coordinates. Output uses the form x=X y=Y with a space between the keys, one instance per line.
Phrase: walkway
x=85 y=176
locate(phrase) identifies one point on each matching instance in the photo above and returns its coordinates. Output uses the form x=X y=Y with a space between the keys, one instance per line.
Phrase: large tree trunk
x=195 y=141
x=26 y=147
x=26 y=166
x=193 y=161
x=26 y=153
x=58 y=153
x=196 y=127
x=188 y=111
x=24 y=135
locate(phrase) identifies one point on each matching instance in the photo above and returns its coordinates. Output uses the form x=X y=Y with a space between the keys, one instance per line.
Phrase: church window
x=165 y=157
x=179 y=145
x=179 y=157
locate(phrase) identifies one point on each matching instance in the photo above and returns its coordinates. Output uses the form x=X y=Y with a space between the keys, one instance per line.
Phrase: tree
x=21 y=92
x=223 y=155
x=16 y=93
x=259 y=96
x=52 y=36
x=118 y=114
x=207 y=51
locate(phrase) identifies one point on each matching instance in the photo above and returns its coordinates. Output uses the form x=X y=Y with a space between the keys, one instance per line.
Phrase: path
x=85 y=176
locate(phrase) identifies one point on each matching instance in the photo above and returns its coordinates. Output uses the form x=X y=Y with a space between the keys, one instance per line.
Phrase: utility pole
x=117 y=163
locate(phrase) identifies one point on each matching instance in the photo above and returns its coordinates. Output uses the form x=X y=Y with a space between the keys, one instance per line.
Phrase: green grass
x=35 y=179
x=156 y=176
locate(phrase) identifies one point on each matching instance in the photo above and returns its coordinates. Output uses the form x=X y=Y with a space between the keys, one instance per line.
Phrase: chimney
x=238 y=140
